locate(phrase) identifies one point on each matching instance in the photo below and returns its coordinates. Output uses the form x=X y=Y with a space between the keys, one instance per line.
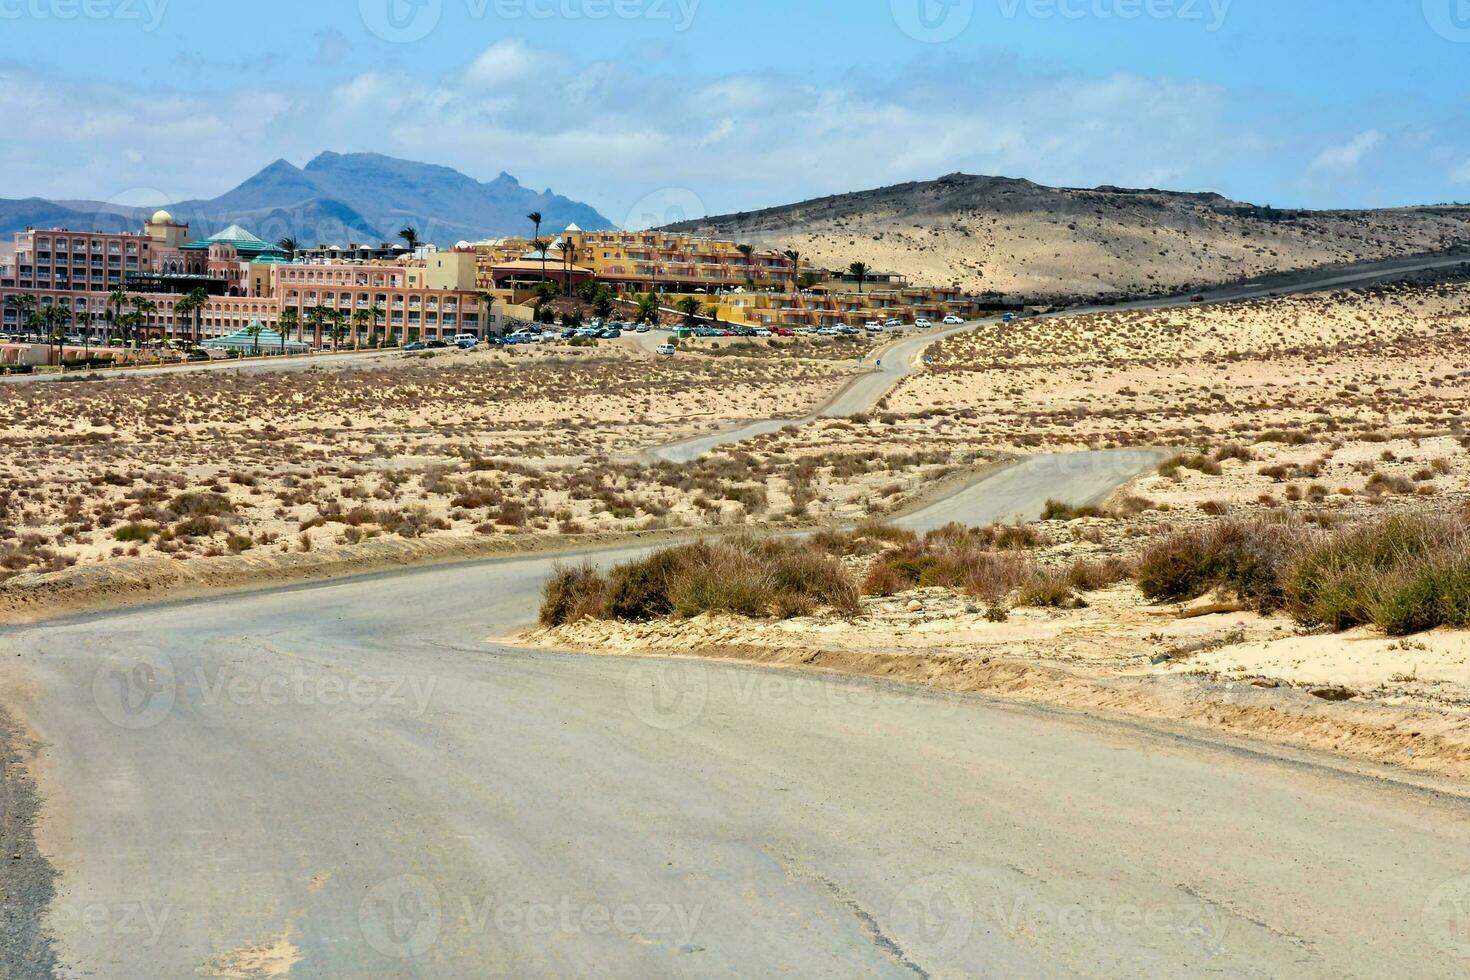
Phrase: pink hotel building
x=246 y=279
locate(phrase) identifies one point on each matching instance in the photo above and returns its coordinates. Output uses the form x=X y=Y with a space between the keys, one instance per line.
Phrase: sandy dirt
x=1408 y=702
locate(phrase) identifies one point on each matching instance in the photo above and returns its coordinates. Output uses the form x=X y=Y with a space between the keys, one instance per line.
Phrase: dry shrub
x=1242 y=557
x=197 y=504
x=746 y=576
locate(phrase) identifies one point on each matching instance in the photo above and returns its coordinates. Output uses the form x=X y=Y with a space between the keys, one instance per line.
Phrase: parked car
x=784 y=332
x=417 y=345
x=437 y=344
x=469 y=343
x=873 y=326
x=826 y=332
x=763 y=332
x=923 y=323
x=953 y=320
x=666 y=349
x=460 y=338
x=641 y=328
x=611 y=333
x=893 y=321
x=197 y=355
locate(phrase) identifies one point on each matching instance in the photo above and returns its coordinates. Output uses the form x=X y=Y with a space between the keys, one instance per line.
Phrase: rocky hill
x=1017 y=237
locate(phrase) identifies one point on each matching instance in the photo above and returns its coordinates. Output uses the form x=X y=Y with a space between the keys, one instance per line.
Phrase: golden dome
x=161 y=217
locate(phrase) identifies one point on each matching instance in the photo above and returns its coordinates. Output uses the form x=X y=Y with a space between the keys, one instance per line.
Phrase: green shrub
x=1343 y=579
x=134 y=532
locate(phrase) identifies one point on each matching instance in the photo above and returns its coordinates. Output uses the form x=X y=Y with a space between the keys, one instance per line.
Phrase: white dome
x=463 y=246
x=161 y=217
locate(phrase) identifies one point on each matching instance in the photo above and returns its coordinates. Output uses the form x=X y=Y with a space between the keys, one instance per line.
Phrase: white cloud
x=503 y=62
x=611 y=132
x=1346 y=157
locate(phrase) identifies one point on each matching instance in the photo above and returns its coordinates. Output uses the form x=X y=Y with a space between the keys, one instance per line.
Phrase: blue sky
x=726 y=105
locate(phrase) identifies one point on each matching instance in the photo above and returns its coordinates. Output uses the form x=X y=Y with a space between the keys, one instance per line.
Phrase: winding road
x=355 y=779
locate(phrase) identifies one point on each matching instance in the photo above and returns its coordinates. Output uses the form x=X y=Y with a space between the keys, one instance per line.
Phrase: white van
x=666 y=349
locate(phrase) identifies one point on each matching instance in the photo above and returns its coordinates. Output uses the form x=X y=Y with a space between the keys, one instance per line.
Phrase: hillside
x=1015 y=236
x=336 y=197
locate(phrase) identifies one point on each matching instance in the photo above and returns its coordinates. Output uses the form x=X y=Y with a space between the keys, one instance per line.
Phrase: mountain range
x=1012 y=236
x=336 y=198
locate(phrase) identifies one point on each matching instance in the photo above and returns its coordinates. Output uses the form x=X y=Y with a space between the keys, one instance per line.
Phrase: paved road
x=891 y=364
x=354 y=770
x=1018 y=493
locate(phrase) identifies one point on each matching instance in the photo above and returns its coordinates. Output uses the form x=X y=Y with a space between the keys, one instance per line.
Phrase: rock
x=1334 y=694
x=914 y=605
x=971 y=609
x=1160 y=658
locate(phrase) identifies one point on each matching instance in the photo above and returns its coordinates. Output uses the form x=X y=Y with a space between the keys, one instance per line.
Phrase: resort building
x=96 y=277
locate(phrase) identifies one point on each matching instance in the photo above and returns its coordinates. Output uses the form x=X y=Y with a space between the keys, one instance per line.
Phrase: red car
x=783 y=332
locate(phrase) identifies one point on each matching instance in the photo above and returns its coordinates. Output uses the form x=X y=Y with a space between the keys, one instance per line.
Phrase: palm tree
x=410 y=236
x=690 y=307
x=316 y=316
x=289 y=246
x=487 y=303
x=747 y=251
x=116 y=301
x=648 y=308
x=535 y=218
x=568 y=255
x=253 y=331
x=795 y=258
x=859 y=271
x=25 y=307
x=53 y=320
x=288 y=320
x=375 y=313
x=338 y=321
x=192 y=306
x=360 y=318
x=713 y=312
x=144 y=308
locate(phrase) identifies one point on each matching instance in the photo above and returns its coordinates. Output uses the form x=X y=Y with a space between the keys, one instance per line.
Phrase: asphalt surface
x=890 y=365
x=354 y=769
x=355 y=780
x=1018 y=493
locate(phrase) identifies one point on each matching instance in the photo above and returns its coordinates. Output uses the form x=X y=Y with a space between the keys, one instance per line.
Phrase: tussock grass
x=748 y=576
x=1401 y=574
